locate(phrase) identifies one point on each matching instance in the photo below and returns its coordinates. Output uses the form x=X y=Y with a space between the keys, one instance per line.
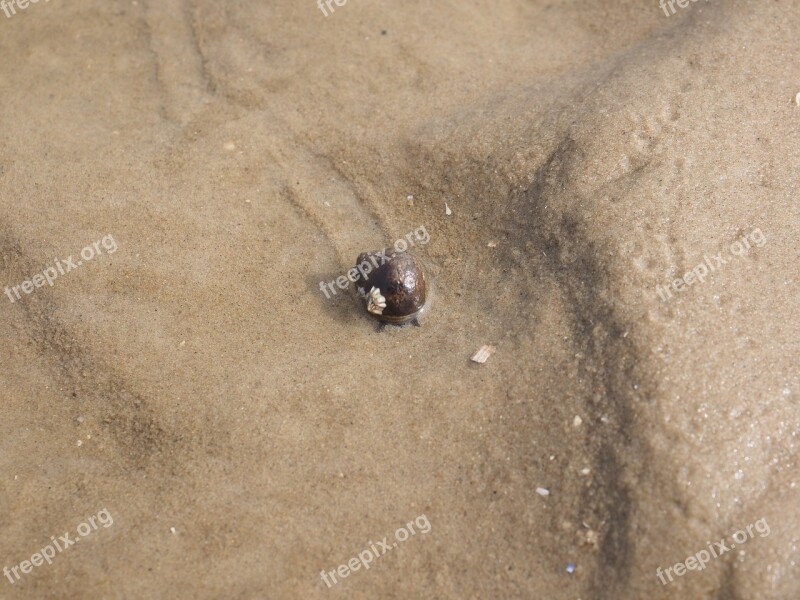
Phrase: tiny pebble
x=172 y=529
x=585 y=471
x=80 y=443
x=492 y=244
x=447 y=210
x=570 y=567
x=542 y=491
x=797 y=99
x=577 y=421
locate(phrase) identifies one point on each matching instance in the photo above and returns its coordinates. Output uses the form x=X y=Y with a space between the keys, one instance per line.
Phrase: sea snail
x=392 y=285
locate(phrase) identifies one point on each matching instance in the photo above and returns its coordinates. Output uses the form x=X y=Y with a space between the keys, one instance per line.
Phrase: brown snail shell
x=392 y=285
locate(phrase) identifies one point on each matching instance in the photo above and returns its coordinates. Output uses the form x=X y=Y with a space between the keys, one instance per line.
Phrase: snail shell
x=392 y=285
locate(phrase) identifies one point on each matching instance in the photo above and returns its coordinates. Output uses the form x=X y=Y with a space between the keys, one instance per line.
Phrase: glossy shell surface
x=392 y=285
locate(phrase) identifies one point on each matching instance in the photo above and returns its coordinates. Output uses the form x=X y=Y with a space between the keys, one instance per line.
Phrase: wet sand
x=246 y=433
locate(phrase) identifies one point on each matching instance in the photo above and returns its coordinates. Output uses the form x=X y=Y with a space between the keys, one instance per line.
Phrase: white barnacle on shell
x=376 y=302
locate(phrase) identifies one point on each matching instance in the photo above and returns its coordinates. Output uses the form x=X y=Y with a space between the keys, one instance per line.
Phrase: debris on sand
x=482 y=355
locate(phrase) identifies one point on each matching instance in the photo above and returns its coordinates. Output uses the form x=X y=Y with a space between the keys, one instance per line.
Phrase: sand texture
x=245 y=433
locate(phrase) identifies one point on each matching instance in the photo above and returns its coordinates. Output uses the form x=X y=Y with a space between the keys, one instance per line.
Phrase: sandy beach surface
x=604 y=191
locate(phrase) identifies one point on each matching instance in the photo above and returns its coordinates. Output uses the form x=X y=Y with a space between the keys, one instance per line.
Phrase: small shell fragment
x=577 y=421
x=482 y=355
x=447 y=210
x=542 y=491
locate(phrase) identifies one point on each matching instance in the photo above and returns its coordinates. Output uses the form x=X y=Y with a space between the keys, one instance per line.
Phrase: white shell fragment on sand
x=447 y=210
x=542 y=491
x=797 y=99
x=482 y=355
